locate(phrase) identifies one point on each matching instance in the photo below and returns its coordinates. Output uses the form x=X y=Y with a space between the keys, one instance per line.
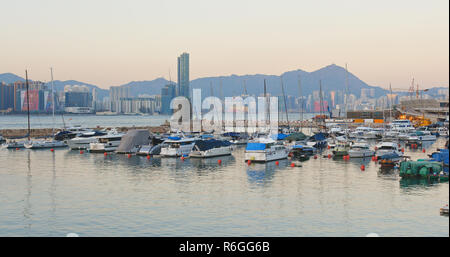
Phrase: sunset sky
x=109 y=43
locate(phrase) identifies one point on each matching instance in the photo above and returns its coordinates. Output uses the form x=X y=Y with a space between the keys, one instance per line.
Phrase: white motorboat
x=211 y=148
x=82 y=141
x=385 y=148
x=14 y=144
x=264 y=150
x=420 y=136
x=359 y=132
x=360 y=150
x=43 y=144
x=402 y=126
x=177 y=146
x=107 y=143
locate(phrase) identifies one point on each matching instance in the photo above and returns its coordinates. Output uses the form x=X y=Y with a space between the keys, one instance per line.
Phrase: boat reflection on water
x=213 y=162
x=263 y=173
x=417 y=182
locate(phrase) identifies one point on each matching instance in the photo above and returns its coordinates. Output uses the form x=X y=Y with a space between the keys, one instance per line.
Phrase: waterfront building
x=78 y=99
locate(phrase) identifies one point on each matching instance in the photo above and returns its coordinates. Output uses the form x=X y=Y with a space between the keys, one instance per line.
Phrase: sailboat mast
x=53 y=103
x=28 y=105
x=301 y=103
x=284 y=97
x=267 y=103
x=390 y=101
x=346 y=98
x=321 y=103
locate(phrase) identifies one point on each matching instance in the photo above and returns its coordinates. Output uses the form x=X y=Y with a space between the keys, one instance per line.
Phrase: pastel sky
x=114 y=42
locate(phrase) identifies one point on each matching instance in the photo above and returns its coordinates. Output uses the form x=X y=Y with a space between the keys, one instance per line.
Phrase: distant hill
x=333 y=77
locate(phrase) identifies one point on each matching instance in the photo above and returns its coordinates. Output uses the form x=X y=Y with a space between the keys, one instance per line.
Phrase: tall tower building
x=183 y=75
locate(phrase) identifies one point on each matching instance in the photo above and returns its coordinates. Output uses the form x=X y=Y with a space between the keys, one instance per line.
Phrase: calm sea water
x=44 y=193
x=92 y=121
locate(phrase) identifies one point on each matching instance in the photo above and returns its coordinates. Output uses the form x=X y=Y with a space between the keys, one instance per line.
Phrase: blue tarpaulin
x=278 y=136
x=174 y=138
x=255 y=146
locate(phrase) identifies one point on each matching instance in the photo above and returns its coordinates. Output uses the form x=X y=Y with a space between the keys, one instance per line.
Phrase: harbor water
x=45 y=193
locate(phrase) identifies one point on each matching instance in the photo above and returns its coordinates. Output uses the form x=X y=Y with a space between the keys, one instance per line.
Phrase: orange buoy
x=292 y=164
x=423 y=150
x=249 y=162
x=51 y=150
x=17 y=149
x=148 y=157
x=182 y=158
x=81 y=151
x=403 y=150
x=329 y=156
x=376 y=158
x=363 y=167
x=328 y=147
x=219 y=162
x=105 y=153
x=277 y=163
x=315 y=156
x=129 y=155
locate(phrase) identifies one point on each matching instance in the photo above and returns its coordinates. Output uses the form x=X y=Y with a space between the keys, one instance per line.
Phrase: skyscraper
x=183 y=75
x=167 y=94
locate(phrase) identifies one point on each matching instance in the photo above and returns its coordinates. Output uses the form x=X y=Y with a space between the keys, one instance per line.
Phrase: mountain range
x=332 y=77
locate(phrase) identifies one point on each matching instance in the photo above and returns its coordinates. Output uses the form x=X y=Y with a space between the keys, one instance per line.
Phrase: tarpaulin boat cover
x=203 y=145
x=174 y=138
x=278 y=136
x=133 y=139
x=319 y=137
x=389 y=156
x=296 y=137
x=255 y=146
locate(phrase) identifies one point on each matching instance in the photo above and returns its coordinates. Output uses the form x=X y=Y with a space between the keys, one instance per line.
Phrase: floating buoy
x=277 y=163
x=249 y=162
x=129 y=155
x=315 y=156
x=328 y=147
x=182 y=158
x=81 y=151
x=376 y=158
x=403 y=150
x=148 y=157
x=51 y=150
x=329 y=156
x=292 y=164
x=363 y=167
x=17 y=149
x=399 y=145
x=219 y=162
x=105 y=153
x=423 y=150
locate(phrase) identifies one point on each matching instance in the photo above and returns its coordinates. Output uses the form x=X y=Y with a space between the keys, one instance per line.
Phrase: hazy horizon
x=110 y=43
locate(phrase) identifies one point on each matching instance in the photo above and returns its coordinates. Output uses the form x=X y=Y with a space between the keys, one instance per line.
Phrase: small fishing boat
x=42 y=144
x=444 y=210
x=177 y=146
x=211 y=148
x=107 y=143
x=360 y=150
x=301 y=153
x=341 y=149
x=264 y=150
x=385 y=148
x=420 y=136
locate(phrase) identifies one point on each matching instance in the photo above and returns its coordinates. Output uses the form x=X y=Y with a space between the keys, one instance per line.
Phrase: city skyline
x=109 y=44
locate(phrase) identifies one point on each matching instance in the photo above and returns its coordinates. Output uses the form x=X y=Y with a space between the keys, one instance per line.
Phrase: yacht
x=14 y=144
x=420 y=136
x=359 y=132
x=341 y=149
x=211 y=148
x=360 y=150
x=42 y=144
x=107 y=143
x=81 y=142
x=177 y=146
x=388 y=148
x=264 y=150
x=402 y=126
